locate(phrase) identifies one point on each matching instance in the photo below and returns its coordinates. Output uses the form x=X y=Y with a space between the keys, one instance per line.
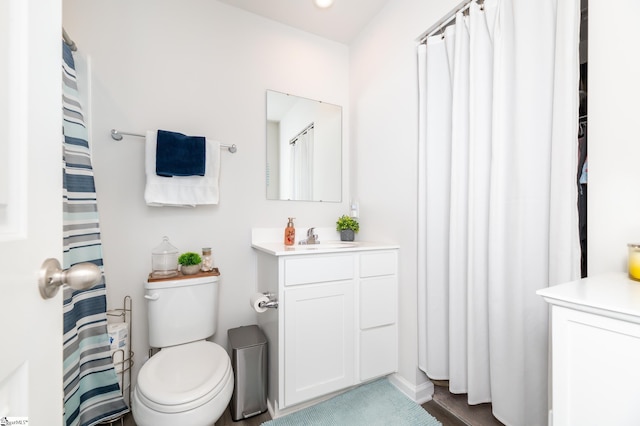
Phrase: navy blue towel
x=180 y=155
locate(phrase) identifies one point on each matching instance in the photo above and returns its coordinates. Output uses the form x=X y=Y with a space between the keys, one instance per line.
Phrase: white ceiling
x=341 y=22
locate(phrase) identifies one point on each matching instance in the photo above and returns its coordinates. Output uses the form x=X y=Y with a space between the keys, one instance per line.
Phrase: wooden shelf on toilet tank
x=181 y=276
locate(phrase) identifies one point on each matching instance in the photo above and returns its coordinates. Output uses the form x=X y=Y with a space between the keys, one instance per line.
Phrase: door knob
x=80 y=276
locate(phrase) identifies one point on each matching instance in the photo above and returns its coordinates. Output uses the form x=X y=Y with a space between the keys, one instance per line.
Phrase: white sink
x=322 y=246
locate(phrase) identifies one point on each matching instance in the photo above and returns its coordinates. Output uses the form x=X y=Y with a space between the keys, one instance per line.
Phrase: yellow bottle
x=290 y=233
x=634 y=261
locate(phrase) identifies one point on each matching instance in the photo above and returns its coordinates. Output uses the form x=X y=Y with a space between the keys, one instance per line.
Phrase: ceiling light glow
x=323 y=4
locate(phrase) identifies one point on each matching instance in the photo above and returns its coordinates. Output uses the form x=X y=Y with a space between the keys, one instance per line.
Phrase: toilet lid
x=184 y=374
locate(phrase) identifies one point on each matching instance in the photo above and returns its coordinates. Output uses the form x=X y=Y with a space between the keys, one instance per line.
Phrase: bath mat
x=377 y=403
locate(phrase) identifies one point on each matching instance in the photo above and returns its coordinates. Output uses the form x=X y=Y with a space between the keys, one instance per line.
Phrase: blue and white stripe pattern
x=91 y=391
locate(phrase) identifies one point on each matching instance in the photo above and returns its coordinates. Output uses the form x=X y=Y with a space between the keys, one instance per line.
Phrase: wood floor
x=449 y=409
x=457 y=407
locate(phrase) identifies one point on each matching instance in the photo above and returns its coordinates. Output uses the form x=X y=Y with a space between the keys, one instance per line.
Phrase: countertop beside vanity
x=610 y=295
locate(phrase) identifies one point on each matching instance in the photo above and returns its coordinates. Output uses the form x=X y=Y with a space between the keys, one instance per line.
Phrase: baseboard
x=275 y=411
x=271 y=409
x=420 y=394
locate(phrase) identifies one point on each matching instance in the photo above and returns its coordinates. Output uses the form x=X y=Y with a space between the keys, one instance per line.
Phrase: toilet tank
x=181 y=311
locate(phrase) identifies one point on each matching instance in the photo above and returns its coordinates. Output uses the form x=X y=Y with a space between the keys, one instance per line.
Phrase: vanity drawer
x=377 y=302
x=378 y=263
x=378 y=352
x=317 y=269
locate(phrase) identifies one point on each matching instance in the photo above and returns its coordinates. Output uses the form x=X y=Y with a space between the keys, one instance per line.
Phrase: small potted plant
x=189 y=263
x=347 y=226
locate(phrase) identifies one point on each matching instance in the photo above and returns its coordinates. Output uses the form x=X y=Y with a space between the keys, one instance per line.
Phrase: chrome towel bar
x=117 y=136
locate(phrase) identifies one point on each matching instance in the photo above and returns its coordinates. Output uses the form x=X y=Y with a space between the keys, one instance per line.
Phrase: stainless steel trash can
x=249 y=360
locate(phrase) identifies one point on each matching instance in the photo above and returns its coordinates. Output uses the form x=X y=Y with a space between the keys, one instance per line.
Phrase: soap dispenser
x=290 y=233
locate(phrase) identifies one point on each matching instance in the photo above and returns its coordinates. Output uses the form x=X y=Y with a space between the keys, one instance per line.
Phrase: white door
x=30 y=209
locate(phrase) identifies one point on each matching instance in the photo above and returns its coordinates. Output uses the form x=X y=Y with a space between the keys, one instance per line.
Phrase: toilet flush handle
x=154 y=296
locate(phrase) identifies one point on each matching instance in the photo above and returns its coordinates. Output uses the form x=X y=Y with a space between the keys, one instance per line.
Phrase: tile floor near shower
x=449 y=409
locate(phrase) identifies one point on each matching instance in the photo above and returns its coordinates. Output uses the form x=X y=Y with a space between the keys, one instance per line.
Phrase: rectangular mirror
x=304 y=149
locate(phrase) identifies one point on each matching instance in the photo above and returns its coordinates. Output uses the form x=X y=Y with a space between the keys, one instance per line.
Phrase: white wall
x=614 y=147
x=384 y=129
x=198 y=67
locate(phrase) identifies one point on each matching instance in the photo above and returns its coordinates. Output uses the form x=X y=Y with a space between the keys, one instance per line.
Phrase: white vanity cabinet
x=595 y=351
x=319 y=320
x=336 y=324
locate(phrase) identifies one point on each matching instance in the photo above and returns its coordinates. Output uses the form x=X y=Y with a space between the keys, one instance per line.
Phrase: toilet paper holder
x=271 y=303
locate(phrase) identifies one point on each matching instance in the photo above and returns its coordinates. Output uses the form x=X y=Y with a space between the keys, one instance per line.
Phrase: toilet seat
x=184 y=377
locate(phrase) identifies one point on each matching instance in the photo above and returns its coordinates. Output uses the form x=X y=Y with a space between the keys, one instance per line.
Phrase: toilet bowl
x=188 y=385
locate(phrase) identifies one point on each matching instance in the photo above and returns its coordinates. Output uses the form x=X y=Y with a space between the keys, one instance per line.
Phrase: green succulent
x=347 y=222
x=189 y=258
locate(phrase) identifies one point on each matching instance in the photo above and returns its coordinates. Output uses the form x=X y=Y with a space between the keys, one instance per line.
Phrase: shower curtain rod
x=296 y=137
x=446 y=20
x=116 y=135
x=68 y=41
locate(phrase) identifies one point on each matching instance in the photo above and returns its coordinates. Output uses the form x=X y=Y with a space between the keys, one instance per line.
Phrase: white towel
x=182 y=191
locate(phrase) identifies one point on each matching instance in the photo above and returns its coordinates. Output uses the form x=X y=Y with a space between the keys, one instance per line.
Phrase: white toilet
x=190 y=381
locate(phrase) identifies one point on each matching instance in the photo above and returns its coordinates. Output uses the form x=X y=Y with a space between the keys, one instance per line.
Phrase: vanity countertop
x=611 y=295
x=279 y=249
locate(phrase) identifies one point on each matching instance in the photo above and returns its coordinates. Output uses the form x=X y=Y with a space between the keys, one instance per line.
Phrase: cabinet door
x=319 y=335
x=595 y=369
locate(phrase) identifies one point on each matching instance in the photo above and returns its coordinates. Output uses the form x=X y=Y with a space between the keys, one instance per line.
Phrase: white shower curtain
x=301 y=163
x=497 y=198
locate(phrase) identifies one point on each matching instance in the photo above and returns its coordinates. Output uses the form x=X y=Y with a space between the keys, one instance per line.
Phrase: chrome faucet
x=312 y=238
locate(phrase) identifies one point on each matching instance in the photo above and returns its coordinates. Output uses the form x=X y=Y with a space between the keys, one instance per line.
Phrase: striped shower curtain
x=91 y=391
